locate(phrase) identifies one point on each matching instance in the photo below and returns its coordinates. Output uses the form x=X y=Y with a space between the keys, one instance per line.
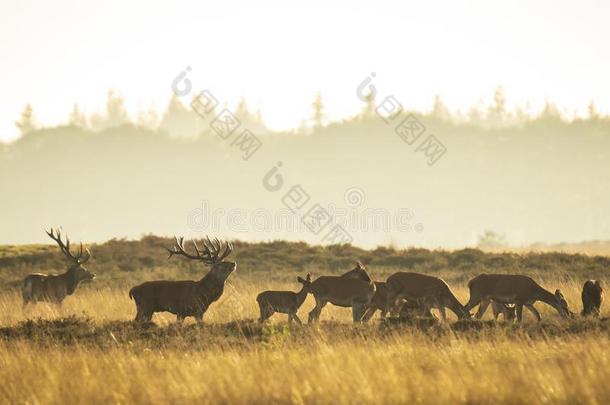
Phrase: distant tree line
x=180 y=120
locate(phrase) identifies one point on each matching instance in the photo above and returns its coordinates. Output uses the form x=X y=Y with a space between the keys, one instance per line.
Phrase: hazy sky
x=278 y=56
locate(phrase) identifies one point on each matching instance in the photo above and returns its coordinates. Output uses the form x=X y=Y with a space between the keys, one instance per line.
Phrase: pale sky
x=278 y=56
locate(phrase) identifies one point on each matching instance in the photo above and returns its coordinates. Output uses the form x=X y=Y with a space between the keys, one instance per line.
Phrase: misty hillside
x=544 y=181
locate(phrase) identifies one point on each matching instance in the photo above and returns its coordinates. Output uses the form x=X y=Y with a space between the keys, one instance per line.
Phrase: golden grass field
x=232 y=359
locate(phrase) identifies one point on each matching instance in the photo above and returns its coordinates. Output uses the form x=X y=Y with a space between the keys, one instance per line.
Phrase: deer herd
x=403 y=293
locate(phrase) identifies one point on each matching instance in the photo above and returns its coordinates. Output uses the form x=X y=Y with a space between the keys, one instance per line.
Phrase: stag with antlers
x=188 y=297
x=54 y=288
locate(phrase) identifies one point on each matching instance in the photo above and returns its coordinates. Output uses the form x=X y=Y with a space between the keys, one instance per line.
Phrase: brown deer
x=54 y=288
x=425 y=290
x=353 y=289
x=592 y=297
x=283 y=302
x=188 y=297
x=513 y=288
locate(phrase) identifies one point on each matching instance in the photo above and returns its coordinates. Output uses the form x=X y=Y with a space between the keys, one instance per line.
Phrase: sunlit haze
x=278 y=55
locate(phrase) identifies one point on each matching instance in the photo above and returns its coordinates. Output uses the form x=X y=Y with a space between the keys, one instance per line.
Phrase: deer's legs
x=497 y=311
x=534 y=311
x=370 y=311
x=293 y=315
x=199 y=316
x=395 y=307
x=314 y=315
x=443 y=313
x=266 y=312
x=482 y=308
x=357 y=312
x=143 y=317
x=519 y=308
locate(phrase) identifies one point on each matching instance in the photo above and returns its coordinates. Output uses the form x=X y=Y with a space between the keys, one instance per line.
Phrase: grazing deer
x=284 y=302
x=512 y=288
x=425 y=290
x=54 y=288
x=380 y=302
x=353 y=289
x=414 y=309
x=592 y=296
x=188 y=297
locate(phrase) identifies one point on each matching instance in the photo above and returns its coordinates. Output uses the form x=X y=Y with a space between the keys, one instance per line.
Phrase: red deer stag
x=54 y=288
x=592 y=296
x=283 y=302
x=425 y=290
x=187 y=297
x=353 y=289
x=513 y=288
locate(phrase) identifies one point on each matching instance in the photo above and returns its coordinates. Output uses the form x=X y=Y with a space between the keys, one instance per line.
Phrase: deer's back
x=416 y=285
x=342 y=290
x=165 y=294
x=504 y=287
x=43 y=285
x=279 y=300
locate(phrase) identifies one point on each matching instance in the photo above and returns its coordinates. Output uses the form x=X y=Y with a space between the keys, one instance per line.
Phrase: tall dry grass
x=336 y=362
x=405 y=368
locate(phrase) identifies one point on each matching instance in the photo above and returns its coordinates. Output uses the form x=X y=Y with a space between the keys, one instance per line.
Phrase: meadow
x=91 y=351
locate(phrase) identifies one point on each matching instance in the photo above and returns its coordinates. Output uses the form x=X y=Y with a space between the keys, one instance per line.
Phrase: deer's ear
x=300 y=280
x=558 y=293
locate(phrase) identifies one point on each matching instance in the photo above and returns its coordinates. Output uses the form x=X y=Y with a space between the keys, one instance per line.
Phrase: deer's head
x=306 y=281
x=358 y=272
x=212 y=253
x=562 y=305
x=78 y=271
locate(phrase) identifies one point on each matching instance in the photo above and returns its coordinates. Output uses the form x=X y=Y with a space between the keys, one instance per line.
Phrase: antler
x=209 y=254
x=65 y=248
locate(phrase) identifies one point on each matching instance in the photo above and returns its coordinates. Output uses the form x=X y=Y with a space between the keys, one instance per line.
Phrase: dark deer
x=353 y=289
x=283 y=302
x=54 y=288
x=592 y=296
x=513 y=288
x=426 y=290
x=188 y=297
